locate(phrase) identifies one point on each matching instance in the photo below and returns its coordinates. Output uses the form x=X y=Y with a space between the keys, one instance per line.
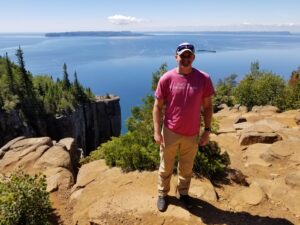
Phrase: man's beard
x=185 y=63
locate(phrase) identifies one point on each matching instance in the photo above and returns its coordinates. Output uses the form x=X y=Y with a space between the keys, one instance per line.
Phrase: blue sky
x=148 y=15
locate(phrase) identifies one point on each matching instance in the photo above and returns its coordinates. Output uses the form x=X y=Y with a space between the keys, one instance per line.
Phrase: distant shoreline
x=144 y=33
x=95 y=34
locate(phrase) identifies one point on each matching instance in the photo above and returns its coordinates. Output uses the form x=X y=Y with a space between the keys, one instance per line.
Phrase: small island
x=95 y=34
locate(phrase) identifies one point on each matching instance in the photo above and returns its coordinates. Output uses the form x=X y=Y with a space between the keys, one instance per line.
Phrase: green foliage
x=210 y=162
x=260 y=88
x=224 y=92
x=24 y=200
x=136 y=150
x=36 y=96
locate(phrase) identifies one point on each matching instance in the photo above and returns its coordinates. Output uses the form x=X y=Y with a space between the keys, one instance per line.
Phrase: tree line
x=36 y=96
x=259 y=87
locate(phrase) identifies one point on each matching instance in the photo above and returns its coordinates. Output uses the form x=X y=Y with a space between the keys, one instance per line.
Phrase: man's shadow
x=209 y=214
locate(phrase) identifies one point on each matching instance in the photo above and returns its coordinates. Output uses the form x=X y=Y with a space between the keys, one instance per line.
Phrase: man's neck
x=184 y=70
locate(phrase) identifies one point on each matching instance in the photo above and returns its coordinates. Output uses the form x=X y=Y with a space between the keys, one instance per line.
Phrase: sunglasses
x=190 y=47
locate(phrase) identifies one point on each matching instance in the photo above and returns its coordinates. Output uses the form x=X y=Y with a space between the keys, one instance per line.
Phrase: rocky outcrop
x=35 y=155
x=90 y=124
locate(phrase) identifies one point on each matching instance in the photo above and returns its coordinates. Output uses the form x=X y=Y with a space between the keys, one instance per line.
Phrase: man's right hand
x=158 y=138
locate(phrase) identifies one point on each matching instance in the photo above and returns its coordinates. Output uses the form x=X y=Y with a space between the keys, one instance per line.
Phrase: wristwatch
x=207 y=129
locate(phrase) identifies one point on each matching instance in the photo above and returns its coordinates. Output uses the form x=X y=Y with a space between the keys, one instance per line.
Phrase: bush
x=24 y=200
x=210 y=162
x=224 y=92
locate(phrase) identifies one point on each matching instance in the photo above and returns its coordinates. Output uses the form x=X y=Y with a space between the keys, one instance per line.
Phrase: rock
x=289 y=134
x=274 y=125
x=255 y=137
x=58 y=178
x=278 y=191
x=258 y=134
x=252 y=195
x=242 y=126
x=222 y=106
x=297 y=119
x=38 y=155
x=293 y=179
x=8 y=144
x=203 y=189
x=243 y=109
x=75 y=153
x=22 y=152
x=56 y=156
x=267 y=109
x=256 y=108
x=281 y=150
x=225 y=130
x=253 y=155
x=240 y=119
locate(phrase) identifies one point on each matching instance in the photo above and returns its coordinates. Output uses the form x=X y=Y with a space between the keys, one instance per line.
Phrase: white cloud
x=124 y=20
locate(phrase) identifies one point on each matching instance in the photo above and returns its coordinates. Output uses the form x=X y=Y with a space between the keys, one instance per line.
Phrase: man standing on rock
x=181 y=92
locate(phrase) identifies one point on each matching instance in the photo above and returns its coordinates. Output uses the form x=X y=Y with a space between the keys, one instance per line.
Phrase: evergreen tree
x=25 y=83
x=9 y=74
x=78 y=89
x=65 y=82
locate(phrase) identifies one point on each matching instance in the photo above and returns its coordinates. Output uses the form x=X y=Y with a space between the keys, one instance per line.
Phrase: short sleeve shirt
x=183 y=96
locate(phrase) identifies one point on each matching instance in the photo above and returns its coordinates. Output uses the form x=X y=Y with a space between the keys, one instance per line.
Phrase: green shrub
x=210 y=162
x=24 y=200
x=224 y=92
x=260 y=88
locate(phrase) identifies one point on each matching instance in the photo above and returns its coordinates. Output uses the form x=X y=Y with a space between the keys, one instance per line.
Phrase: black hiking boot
x=162 y=203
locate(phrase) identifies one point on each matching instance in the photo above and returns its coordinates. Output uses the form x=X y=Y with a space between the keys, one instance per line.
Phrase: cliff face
x=90 y=124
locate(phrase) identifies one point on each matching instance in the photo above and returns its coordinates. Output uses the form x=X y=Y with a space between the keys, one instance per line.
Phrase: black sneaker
x=161 y=203
x=187 y=201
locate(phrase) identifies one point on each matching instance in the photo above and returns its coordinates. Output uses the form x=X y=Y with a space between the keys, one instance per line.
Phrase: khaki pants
x=187 y=147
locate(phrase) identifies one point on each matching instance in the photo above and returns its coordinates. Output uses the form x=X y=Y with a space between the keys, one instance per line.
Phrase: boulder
x=39 y=155
x=293 y=179
x=297 y=119
x=252 y=195
x=258 y=134
x=240 y=119
x=281 y=150
x=242 y=126
x=253 y=155
x=274 y=125
x=278 y=191
x=56 y=156
x=203 y=189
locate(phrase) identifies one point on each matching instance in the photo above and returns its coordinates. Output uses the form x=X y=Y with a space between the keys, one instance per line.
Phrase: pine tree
x=65 y=82
x=26 y=86
x=9 y=74
x=78 y=89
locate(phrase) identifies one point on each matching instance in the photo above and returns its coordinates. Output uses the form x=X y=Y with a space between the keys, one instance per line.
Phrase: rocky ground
x=262 y=187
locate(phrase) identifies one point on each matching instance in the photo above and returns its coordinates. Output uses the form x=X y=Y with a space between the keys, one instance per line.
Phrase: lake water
x=123 y=65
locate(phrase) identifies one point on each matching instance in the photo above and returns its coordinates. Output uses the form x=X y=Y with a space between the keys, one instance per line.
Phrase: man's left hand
x=204 y=138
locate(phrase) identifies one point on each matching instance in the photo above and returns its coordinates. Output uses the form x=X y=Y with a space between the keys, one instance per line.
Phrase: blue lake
x=123 y=65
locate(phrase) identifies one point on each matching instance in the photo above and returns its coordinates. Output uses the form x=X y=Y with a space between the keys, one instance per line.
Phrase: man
x=181 y=92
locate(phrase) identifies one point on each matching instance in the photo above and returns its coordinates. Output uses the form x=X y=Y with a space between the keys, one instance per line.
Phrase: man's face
x=185 y=59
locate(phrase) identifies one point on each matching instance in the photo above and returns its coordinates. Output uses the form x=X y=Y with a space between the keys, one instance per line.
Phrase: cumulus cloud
x=124 y=20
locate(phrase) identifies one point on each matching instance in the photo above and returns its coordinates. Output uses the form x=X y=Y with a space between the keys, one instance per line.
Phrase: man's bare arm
x=207 y=117
x=157 y=115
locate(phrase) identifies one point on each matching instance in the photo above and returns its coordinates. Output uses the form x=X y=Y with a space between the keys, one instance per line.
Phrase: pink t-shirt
x=183 y=96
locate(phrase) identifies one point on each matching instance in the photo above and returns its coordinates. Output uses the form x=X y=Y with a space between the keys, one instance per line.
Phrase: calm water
x=123 y=65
